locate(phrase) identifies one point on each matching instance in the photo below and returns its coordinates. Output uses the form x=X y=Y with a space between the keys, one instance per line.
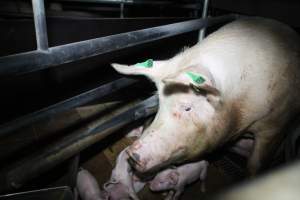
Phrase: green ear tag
x=147 y=64
x=196 y=78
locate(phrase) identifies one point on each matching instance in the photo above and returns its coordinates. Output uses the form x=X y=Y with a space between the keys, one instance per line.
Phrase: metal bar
x=65 y=105
x=121 y=1
x=36 y=164
x=122 y=10
x=73 y=170
x=38 y=60
x=204 y=15
x=35 y=136
x=40 y=24
x=60 y=192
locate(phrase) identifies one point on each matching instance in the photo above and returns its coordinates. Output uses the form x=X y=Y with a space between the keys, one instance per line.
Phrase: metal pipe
x=204 y=15
x=40 y=24
x=34 y=135
x=65 y=105
x=121 y=1
x=28 y=168
x=122 y=10
x=38 y=60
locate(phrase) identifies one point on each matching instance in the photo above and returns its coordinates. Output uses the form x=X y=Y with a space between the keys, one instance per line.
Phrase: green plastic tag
x=196 y=78
x=147 y=64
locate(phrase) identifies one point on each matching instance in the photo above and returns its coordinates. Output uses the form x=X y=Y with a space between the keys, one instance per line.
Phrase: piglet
x=87 y=186
x=243 y=147
x=176 y=179
x=123 y=184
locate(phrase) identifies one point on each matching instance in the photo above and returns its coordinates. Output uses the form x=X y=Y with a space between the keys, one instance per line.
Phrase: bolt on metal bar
x=37 y=60
x=40 y=24
x=65 y=105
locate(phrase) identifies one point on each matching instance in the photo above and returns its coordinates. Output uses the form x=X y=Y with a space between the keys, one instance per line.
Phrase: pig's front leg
x=265 y=138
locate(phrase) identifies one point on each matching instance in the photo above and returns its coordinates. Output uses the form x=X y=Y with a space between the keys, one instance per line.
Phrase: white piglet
x=174 y=180
x=123 y=184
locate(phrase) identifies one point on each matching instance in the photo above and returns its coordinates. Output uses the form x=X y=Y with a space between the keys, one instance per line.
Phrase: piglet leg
x=177 y=194
x=169 y=195
x=203 y=176
x=87 y=186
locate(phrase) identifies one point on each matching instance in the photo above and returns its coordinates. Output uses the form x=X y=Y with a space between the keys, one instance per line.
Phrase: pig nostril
x=135 y=157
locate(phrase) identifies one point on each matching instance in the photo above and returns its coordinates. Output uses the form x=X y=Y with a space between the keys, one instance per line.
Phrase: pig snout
x=136 y=158
x=152 y=155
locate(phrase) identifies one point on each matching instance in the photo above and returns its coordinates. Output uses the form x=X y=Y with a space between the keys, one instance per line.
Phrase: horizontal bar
x=65 y=105
x=55 y=192
x=38 y=60
x=52 y=155
x=40 y=24
x=120 y=1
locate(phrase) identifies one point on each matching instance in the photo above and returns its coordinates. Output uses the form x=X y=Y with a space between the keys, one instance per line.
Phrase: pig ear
x=174 y=177
x=149 y=68
x=200 y=82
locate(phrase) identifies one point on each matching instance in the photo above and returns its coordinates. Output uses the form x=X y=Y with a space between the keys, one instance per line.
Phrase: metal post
x=204 y=15
x=40 y=24
x=122 y=10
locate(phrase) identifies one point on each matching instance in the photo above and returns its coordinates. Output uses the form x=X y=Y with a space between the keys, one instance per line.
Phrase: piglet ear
x=148 y=68
x=174 y=177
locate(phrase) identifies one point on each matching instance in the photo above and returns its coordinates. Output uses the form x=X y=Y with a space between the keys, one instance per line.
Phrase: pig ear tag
x=147 y=64
x=195 y=79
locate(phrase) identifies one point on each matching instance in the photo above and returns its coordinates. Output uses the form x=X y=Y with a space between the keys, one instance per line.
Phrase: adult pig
x=243 y=77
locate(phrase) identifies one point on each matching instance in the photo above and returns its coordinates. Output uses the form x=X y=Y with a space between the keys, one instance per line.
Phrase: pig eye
x=185 y=107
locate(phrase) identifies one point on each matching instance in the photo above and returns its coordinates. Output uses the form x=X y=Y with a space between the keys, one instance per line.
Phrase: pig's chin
x=142 y=168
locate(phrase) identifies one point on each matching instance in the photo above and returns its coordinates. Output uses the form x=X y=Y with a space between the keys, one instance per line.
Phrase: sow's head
x=186 y=125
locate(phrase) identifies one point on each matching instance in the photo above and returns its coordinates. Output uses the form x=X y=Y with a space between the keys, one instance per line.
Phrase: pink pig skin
x=176 y=179
x=250 y=72
x=123 y=184
x=87 y=186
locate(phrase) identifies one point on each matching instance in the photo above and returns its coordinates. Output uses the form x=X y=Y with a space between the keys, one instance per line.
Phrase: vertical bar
x=40 y=24
x=122 y=10
x=204 y=15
